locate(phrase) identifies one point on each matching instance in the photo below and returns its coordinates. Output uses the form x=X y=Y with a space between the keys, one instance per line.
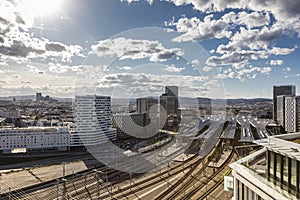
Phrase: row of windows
x=244 y=193
x=25 y=145
x=284 y=171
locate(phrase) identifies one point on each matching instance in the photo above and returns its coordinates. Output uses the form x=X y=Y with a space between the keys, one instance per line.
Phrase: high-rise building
x=281 y=110
x=171 y=91
x=292 y=104
x=39 y=97
x=92 y=120
x=281 y=90
x=273 y=172
x=169 y=100
x=143 y=105
x=134 y=124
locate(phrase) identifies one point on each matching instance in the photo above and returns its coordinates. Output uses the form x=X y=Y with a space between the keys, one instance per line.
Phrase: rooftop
x=286 y=144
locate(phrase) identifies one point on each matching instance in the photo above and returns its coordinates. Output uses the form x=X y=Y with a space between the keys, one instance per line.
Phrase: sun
x=39 y=8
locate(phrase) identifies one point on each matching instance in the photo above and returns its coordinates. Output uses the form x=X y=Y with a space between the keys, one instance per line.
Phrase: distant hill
x=201 y=100
x=183 y=100
x=249 y=101
x=18 y=98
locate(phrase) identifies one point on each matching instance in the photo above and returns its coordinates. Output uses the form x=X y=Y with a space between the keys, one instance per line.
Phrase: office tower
x=92 y=120
x=143 y=105
x=169 y=100
x=292 y=104
x=39 y=97
x=171 y=91
x=281 y=110
x=273 y=172
x=281 y=90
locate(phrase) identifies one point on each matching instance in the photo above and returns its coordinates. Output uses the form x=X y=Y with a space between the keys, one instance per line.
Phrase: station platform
x=222 y=159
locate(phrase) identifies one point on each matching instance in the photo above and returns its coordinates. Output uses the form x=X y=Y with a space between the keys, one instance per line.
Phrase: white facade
x=92 y=120
x=34 y=138
x=292 y=113
x=272 y=172
x=281 y=110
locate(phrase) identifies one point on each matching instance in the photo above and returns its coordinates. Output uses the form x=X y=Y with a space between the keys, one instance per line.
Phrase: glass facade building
x=272 y=172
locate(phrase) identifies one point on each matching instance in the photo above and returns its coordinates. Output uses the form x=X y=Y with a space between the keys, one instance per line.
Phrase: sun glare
x=40 y=8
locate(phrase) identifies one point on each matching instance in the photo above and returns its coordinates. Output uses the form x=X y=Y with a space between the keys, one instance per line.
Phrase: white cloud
x=130 y=1
x=195 y=29
x=16 y=42
x=287 y=69
x=195 y=62
x=207 y=68
x=253 y=19
x=249 y=29
x=250 y=72
x=276 y=62
x=254 y=39
x=3 y=64
x=239 y=58
x=126 y=68
x=57 y=68
x=173 y=69
x=125 y=48
x=34 y=69
x=141 y=84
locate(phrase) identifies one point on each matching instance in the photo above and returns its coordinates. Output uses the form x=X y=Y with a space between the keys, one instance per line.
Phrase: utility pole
x=64 y=193
x=57 y=187
x=98 y=184
x=0 y=184
x=64 y=180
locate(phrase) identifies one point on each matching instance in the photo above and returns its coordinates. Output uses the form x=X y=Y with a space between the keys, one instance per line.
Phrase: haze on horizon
x=236 y=49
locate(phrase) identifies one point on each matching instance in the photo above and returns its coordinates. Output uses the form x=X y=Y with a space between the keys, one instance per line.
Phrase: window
x=293 y=173
x=278 y=167
x=271 y=158
x=285 y=166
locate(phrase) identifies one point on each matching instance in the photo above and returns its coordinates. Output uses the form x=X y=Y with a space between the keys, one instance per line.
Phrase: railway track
x=175 y=189
x=140 y=185
x=89 y=186
x=209 y=183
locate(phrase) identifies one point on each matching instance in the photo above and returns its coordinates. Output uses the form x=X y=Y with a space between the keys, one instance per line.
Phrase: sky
x=133 y=48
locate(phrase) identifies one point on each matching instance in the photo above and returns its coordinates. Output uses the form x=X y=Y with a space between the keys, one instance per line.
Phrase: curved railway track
x=156 y=178
x=88 y=186
x=210 y=183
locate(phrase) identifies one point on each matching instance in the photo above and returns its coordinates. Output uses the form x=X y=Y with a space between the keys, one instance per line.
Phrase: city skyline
x=240 y=53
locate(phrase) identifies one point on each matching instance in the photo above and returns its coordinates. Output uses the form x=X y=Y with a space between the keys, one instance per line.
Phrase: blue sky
x=133 y=48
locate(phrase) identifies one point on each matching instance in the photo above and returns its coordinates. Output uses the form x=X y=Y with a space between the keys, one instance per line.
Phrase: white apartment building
x=92 y=120
x=33 y=139
x=292 y=104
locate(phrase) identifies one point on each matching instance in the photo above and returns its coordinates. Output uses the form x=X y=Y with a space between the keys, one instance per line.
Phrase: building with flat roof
x=281 y=110
x=169 y=101
x=134 y=124
x=34 y=139
x=272 y=172
x=281 y=90
x=143 y=105
x=292 y=104
x=92 y=115
x=39 y=97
